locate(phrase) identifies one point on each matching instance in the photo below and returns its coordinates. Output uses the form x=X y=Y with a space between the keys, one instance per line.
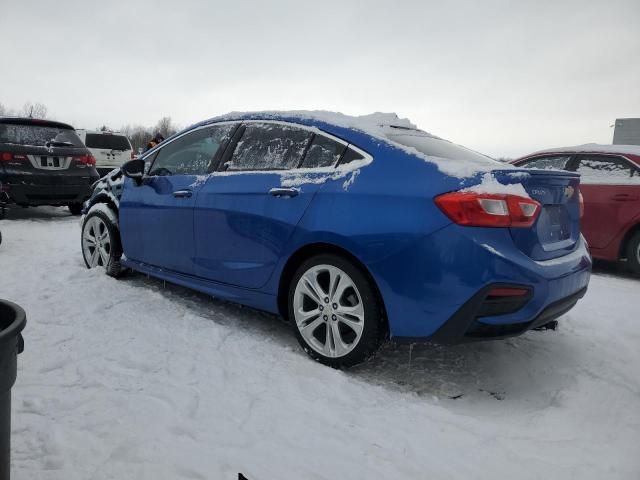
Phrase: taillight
x=88 y=160
x=488 y=209
x=12 y=157
x=508 y=292
x=581 y=201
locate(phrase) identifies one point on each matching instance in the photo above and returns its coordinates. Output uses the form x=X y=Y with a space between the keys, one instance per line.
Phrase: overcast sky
x=504 y=78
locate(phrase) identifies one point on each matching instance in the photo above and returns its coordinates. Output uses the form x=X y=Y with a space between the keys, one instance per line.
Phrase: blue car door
x=246 y=213
x=156 y=216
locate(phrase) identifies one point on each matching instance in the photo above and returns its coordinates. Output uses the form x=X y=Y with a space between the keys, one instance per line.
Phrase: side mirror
x=134 y=169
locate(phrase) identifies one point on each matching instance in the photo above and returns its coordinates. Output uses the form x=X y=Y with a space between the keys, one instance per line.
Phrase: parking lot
x=133 y=378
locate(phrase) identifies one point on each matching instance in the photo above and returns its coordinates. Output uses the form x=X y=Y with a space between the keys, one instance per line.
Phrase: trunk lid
x=557 y=228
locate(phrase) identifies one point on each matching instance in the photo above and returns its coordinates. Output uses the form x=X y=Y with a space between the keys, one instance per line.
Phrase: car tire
x=633 y=253
x=75 y=208
x=100 y=242
x=335 y=310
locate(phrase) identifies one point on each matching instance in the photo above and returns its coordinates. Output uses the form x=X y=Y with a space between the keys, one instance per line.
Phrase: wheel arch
x=308 y=251
x=106 y=199
x=622 y=253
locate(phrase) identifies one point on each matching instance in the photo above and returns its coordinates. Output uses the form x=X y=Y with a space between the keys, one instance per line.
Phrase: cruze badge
x=569 y=191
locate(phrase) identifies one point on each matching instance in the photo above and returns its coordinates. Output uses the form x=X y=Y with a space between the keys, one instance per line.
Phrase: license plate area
x=554 y=224
x=44 y=162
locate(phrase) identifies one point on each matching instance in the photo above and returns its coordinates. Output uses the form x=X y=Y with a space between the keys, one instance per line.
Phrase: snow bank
x=134 y=379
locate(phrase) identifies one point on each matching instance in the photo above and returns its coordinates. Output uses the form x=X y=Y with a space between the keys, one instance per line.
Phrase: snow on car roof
x=377 y=125
x=595 y=148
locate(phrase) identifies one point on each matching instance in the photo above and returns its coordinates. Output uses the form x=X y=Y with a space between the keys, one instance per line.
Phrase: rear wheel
x=633 y=253
x=75 y=208
x=337 y=316
x=101 y=243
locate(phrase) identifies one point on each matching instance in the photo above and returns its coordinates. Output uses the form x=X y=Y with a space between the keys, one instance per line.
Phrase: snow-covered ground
x=132 y=379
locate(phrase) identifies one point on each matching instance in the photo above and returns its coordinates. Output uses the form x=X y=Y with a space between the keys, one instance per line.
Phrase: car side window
x=269 y=146
x=555 y=162
x=323 y=152
x=192 y=153
x=350 y=155
x=605 y=169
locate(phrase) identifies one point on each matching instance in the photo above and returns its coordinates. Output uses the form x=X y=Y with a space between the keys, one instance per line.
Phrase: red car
x=610 y=186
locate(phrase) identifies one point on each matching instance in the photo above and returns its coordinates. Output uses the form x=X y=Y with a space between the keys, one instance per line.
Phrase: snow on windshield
x=37 y=135
x=450 y=158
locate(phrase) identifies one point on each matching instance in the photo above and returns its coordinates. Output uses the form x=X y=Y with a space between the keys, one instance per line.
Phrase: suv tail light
x=88 y=160
x=488 y=210
x=12 y=157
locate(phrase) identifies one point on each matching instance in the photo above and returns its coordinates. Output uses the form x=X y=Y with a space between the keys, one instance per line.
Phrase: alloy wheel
x=96 y=242
x=328 y=310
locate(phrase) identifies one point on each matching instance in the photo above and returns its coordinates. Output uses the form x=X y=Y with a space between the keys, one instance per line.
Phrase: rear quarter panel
x=381 y=214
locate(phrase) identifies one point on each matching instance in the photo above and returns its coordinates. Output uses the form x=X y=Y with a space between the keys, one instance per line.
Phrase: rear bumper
x=436 y=288
x=466 y=325
x=34 y=195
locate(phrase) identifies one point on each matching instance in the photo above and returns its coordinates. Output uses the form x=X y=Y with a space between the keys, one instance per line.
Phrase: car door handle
x=182 y=193
x=624 y=197
x=284 y=192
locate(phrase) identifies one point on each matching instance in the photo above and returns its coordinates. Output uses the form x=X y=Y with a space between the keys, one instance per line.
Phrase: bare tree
x=34 y=110
x=4 y=110
x=138 y=135
x=166 y=127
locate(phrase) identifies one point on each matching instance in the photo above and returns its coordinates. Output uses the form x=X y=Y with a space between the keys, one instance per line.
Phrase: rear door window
x=606 y=169
x=323 y=152
x=268 y=146
x=192 y=153
x=551 y=162
x=107 y=141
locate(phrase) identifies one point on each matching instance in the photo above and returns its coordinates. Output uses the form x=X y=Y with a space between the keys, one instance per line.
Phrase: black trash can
x=12 y=321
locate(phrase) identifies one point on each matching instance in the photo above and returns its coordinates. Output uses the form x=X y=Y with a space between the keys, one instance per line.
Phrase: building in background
x=627 y=131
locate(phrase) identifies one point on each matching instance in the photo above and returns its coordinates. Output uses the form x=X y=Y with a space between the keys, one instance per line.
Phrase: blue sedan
x=356 y=229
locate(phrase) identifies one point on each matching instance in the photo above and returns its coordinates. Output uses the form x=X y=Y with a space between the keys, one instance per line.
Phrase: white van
x=110 y=149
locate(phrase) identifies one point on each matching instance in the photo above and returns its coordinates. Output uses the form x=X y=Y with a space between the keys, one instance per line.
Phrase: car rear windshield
x=107 y=141
x=437 y=147
x=38 y=135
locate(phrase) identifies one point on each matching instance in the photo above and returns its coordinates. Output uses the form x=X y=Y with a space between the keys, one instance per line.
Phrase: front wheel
x=101 y=241
x=633 y=253
x=337 y=315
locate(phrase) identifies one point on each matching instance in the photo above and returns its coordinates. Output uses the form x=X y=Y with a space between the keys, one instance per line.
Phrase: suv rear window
x=437 y=147
x=107 y=141
x=38 y=135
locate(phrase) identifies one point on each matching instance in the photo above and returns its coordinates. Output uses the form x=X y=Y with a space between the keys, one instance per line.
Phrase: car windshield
x=38 y=135
x=107 y=141
x=437 y=147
